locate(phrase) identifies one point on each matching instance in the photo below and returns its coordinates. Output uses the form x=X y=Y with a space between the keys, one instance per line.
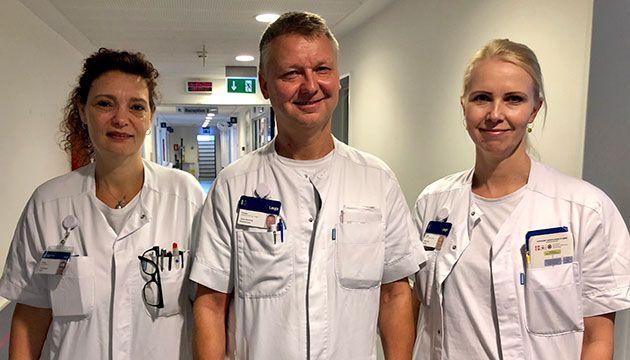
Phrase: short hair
x=303 y=23
x=516 y=53
x=76 y=139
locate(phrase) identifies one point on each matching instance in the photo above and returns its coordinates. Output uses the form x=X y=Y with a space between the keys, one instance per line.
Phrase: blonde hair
x=518 y=54
x=302 y=23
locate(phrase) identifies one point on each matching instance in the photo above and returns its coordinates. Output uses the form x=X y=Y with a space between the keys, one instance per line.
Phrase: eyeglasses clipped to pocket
x=152 y=289
x=166 y=277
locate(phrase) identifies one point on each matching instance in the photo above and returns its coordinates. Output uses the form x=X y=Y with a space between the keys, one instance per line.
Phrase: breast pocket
x=174 y=284
x=360 y=250
x=72 y=294
x=265 y=263
x=553 y=299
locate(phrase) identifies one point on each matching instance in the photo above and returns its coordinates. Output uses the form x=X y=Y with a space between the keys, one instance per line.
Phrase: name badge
x=436 y=233
x=549 y=247
x=257 y=212
x=54 y=260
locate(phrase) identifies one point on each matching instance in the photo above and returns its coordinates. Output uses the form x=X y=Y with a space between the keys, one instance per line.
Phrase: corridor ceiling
x=170 y=32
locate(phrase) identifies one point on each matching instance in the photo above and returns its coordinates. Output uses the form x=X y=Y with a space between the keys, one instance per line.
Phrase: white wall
x=37 y=70
x=406 y=66
x=244 y=133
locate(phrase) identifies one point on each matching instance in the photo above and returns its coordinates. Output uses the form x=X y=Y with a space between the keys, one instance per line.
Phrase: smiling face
x=117 y=114
x=302 y=82
x=500 y=103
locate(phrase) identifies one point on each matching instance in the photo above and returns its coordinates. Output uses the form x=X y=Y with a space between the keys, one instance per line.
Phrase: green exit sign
x=241 y=85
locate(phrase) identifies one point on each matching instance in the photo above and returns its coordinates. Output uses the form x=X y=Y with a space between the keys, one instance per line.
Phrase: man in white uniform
x=314 y=285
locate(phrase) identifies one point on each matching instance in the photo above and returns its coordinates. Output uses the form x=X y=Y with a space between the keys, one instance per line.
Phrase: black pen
x=181 y=253
x=170 y=258
x=162 y=255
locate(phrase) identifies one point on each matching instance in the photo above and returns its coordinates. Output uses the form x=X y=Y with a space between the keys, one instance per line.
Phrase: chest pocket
x=265 y=263
x=72 y=294
x=360 y=249
x=175 y=288
x=553 y=299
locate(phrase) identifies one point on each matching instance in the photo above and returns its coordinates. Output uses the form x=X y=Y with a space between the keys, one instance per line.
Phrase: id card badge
x=549 y=247
x=54 y=260
x=436 y=233
x=257 y=212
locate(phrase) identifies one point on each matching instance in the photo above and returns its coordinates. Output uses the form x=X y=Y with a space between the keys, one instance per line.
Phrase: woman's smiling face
x=117 y=114
x=499 y=104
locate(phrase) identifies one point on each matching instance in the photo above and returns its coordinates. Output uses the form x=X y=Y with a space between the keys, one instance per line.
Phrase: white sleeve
x=402 y=251
x=605 y=262
x=18 y=282
x=213 y=260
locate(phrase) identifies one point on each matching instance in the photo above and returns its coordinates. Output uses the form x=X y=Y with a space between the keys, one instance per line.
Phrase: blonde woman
x=525 y=262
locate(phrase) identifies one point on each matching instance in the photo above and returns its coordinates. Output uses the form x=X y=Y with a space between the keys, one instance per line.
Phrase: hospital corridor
x=270 y=179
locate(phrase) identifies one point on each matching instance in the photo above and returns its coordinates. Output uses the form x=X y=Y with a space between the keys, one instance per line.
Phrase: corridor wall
x=37 y=70
x=406 y=66
x=606 y=145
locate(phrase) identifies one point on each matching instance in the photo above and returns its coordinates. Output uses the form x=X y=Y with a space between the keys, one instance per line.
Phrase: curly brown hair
x=76 y=140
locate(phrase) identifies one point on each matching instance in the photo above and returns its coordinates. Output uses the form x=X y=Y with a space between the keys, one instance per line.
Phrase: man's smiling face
x=301 y=80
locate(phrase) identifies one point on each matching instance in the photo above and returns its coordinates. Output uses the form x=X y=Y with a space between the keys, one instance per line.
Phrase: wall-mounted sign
x=199 y=87
x=241 y=85
x=195 y=109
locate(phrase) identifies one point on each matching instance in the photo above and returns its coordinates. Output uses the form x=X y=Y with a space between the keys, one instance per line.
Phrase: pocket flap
x=360 y=214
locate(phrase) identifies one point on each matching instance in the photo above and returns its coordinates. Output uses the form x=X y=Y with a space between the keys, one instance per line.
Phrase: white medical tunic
x=97 y=305
x=314 y=295
x=539 y=311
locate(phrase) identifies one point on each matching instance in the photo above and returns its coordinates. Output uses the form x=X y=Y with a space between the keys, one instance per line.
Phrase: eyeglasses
x=152 y=289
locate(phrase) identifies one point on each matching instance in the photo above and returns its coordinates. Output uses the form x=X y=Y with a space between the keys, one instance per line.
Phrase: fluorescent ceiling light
x=244 y=58
x=267 y=18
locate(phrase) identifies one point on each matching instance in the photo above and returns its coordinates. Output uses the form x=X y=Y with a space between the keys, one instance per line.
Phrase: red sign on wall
x=199 y=86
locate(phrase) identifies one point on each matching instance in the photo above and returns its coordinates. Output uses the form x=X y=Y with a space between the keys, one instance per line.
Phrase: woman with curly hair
x=98 y=266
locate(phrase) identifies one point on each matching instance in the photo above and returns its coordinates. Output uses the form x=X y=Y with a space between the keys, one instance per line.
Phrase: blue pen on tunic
x=334 y=234
x=280 y=228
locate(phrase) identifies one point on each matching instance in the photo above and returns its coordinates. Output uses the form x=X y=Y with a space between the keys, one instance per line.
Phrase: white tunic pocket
x=553 y=299
x=173 y=289
x=265 y=263
x=359 y=255
x=72 y=294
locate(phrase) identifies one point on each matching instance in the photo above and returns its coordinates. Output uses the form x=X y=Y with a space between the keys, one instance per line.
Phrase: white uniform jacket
x=280 y=309
x=542 y=318
x=97 y=305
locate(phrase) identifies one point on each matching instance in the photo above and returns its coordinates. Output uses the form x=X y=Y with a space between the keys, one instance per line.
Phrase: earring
x=530 y=127
x=148 y=132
